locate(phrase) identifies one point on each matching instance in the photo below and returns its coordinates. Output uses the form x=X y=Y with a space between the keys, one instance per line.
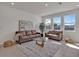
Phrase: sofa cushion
x=33 y=31
x=54 y=32
x=23 y=33
x=25 y=37
x=35 y=36
x=54 y=35
x=32 y=36
x=29 y=32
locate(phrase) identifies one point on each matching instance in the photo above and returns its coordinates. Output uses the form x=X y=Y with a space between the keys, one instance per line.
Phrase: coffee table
x=41 y=41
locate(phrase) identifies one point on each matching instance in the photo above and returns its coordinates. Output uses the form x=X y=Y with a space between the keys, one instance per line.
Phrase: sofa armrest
x=18 y=36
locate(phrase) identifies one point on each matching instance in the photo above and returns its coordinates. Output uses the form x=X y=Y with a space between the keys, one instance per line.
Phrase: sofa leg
x=18 y=42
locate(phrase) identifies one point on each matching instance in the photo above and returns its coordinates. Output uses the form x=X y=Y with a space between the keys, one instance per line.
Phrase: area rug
x=32 y=50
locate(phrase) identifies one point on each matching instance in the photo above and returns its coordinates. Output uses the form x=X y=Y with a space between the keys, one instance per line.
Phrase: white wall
x=9 y=18
x=72 y=35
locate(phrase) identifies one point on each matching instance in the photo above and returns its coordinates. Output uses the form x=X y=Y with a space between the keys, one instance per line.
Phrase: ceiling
x=39 y=8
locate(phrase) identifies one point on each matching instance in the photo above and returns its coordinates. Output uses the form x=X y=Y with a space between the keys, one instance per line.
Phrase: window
x=48 y=23
x=69 y=22
x=57 y=22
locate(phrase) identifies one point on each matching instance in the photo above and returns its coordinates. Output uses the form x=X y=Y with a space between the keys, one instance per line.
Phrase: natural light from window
x=57 y=22
x=72 y=46
x=69 y=22
x=48 y=23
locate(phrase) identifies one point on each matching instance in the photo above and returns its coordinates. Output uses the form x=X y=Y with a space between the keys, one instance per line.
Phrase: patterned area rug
x=33 y=50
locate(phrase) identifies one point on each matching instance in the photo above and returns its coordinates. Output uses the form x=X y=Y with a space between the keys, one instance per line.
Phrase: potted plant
x=42 y=27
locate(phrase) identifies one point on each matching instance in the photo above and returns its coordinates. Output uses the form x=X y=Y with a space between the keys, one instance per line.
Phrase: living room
x=30 y=29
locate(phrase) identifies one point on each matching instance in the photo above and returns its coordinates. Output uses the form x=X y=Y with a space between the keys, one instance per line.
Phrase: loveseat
x=25 y=36
x=55 y=35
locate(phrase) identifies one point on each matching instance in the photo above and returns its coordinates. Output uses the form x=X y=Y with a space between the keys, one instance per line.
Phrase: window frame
x=74 y=24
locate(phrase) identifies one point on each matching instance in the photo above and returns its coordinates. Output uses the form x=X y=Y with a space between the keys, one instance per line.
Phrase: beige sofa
x=25 y=36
